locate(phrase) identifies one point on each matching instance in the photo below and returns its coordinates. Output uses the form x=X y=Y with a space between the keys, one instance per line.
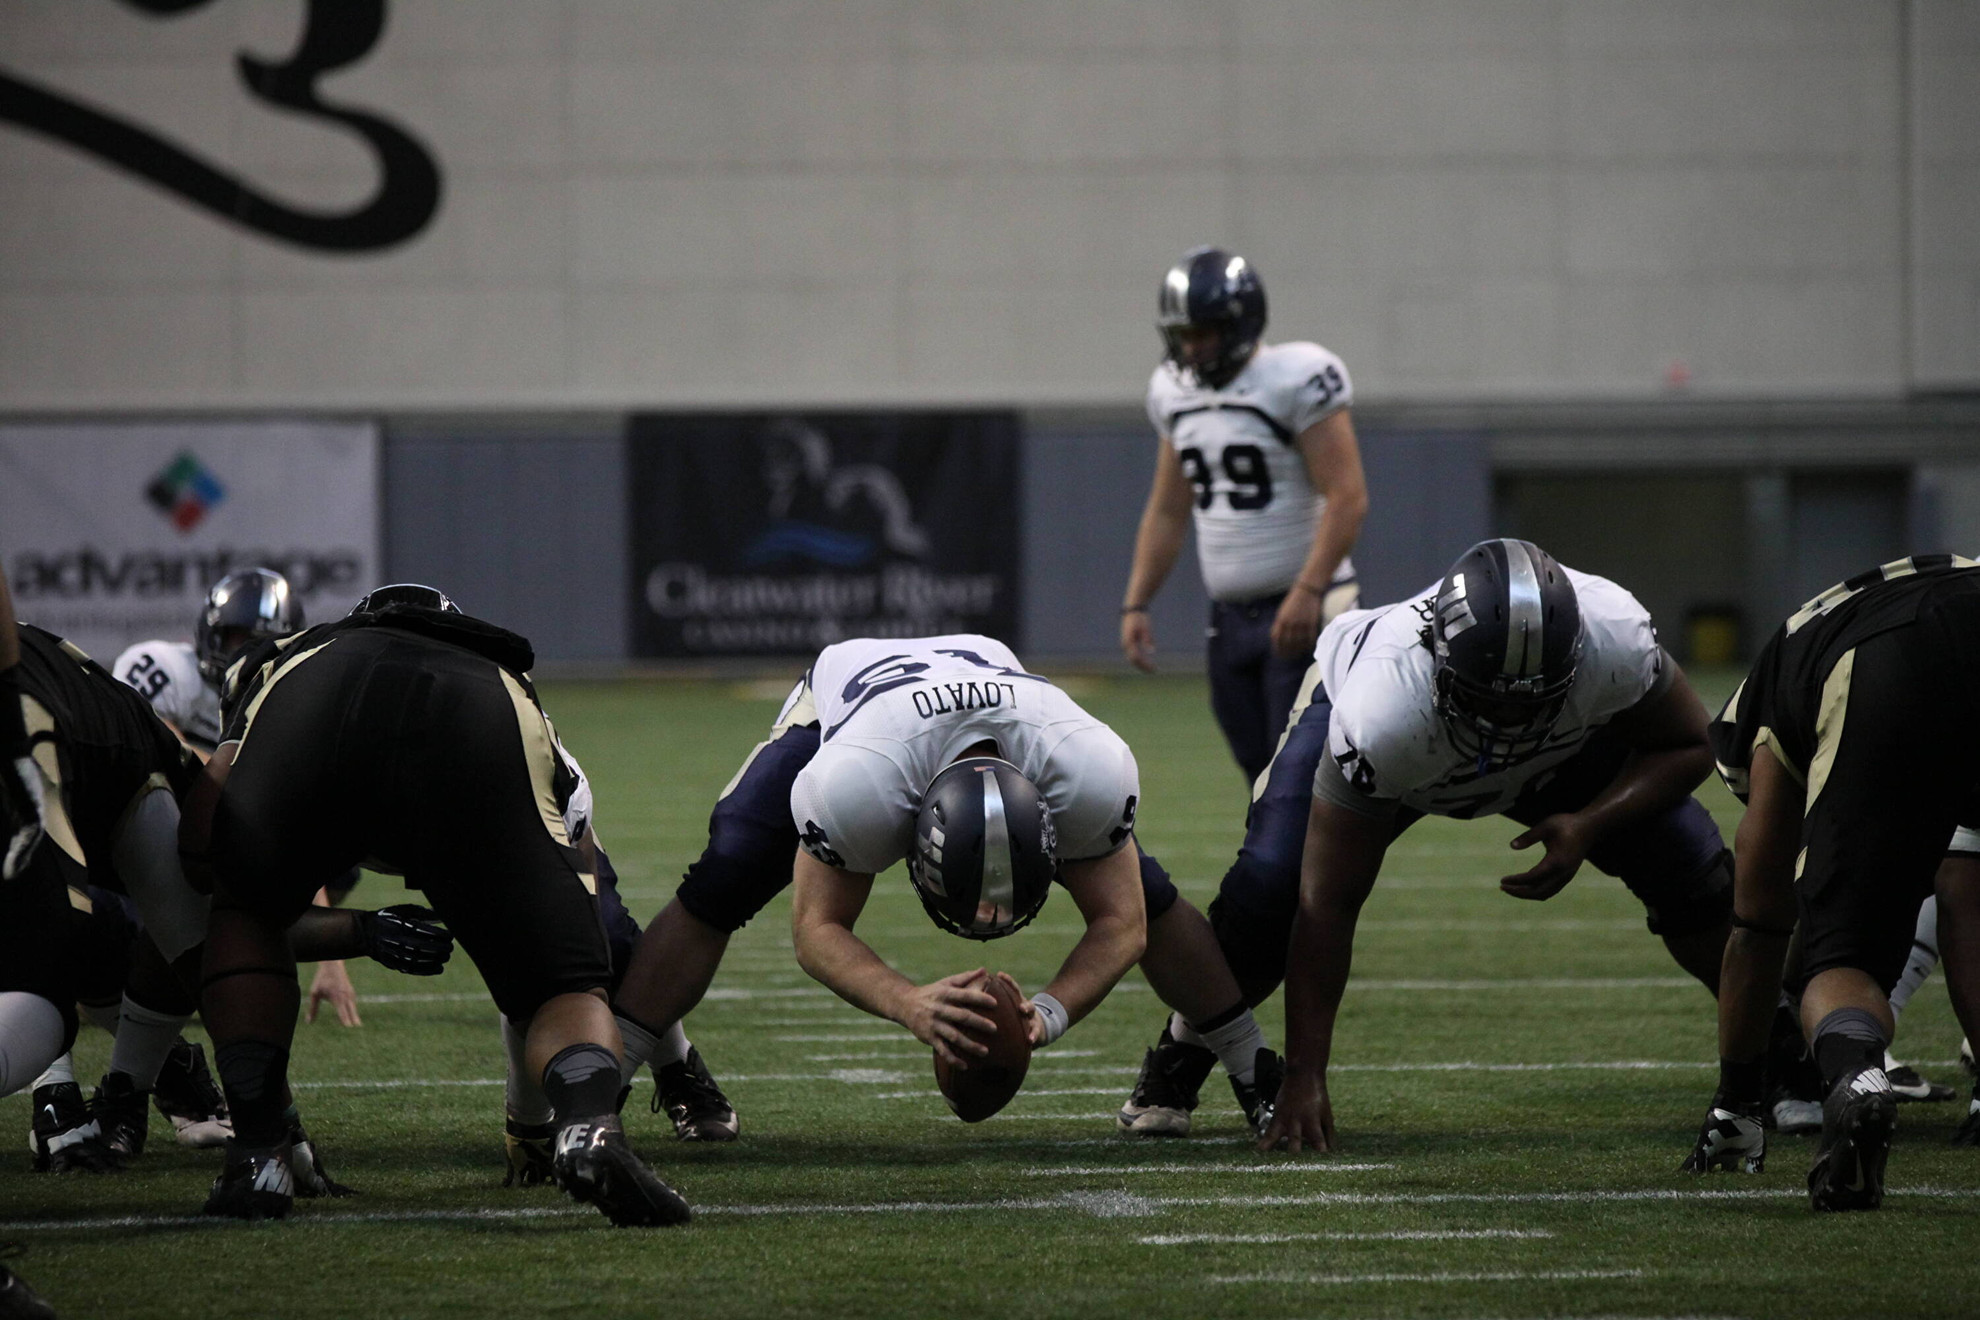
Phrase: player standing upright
x=1257 y=443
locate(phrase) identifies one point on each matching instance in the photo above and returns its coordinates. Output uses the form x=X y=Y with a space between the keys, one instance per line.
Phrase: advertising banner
x=112 y=532
x=779 y=535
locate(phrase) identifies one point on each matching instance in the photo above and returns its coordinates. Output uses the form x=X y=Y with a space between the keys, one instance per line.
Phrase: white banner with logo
x=112 y=532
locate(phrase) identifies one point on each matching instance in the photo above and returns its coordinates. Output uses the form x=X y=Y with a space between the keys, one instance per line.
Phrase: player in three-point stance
x=1855 y=744
x=1514 y=687
x=990 y=782
x=1255 y=441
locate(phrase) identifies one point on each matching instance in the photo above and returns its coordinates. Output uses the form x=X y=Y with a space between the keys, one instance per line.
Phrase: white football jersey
x=1255 y=507
x=1386 y=745
x=893 y=713
x=166 y=674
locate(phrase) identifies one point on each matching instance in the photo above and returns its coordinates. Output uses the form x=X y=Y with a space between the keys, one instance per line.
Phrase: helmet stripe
x=998 y=891
x=1524 y=619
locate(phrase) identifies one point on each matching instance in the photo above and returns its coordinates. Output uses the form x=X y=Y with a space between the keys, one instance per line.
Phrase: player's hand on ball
x=1303 y=1119
x=1033 y=1025
x=953 y=1015
x=1730 y=1139
x=1566 y=841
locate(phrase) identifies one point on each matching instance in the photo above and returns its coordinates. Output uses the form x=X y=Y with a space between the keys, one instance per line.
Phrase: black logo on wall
x=762 y=535
x=336 y=33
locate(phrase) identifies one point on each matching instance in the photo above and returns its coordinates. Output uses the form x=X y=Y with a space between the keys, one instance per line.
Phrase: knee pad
x=1158 y=892
x=1254 y=946
x=1700 y=903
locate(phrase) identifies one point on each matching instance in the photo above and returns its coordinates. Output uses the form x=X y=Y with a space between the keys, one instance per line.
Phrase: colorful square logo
x=185 y=491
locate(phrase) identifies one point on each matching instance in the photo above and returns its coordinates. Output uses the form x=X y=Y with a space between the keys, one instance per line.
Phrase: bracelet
x=1134 y=609
x=1053 y=1014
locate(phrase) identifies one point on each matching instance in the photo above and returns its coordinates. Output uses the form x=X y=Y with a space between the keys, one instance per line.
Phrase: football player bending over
x=1842 y=839
x=1513 y=687
x=933 y=750
x=406 y=734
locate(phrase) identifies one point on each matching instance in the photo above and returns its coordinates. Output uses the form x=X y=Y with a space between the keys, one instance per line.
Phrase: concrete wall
x=694 y=202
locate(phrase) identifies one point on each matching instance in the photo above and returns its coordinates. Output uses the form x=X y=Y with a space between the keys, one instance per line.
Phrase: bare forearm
x=1649 y=782
x=1749 y=988
x=1156 y=548
x=1319 y=956
x=1333 y=537
x=843 y=963
x=1101 y=958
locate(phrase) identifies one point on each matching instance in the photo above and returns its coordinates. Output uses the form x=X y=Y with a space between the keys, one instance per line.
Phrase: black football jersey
x=109 y=742
x=1778 y=704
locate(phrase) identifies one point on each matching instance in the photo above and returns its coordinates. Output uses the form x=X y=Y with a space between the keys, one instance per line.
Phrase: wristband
x=1134 y=609
x=1053 y=1014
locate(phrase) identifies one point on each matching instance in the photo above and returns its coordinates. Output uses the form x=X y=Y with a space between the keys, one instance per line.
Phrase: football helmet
x=1506 y=634
x=243 y=608
x=985 y=853
x=1211 y=289
x=405 y=593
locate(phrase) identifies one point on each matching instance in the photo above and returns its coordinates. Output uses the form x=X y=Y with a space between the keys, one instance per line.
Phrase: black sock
x=254 y=1074
x=582 y=1082
x=1742 y=1086
x=1846 y=1042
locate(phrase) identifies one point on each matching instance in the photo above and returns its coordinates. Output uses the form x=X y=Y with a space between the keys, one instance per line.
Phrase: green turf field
x=1515 y=1087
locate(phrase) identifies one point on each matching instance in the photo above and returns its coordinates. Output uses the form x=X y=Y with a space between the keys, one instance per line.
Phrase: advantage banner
x=112 y=532
x=760 y=534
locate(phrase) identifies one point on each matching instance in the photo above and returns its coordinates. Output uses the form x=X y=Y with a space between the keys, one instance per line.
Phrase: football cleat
x=1794 y=1116
x=527 y=1148
x=1969 y=1130
x=1857 y=1121
x=17 y=1300
x=1966 y=1059
x=257 y=1183
x=593 y=1163
x=64 y=1136
x=1172 y=1074
x=1733 y=1139
x=122 y=1114
x=1258 y=1096
x=306 y=1164
x=687 y=1091
x=186 y=1093
x=1908 y=1086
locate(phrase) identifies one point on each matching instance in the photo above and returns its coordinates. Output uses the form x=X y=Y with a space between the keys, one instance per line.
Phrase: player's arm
x=1107 y=891
x=1343 y=855
x=1164 y=524
x=1764 y=852
x=1333 y=466
x=825 y=902
x=1669 y=757
x=20 y=783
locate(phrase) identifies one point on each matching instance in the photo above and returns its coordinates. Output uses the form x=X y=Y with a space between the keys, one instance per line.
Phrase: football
x=987 y=1085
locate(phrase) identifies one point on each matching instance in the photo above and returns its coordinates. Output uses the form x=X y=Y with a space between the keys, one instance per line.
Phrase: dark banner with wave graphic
x=779 y=534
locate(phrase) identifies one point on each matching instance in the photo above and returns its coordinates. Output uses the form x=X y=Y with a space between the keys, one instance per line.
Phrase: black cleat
x=1165 y=1095
x=187 y=1094
x=595 y=1165
x=306 y=1163
x=1969 y=1130
x=687 y=1091
x=257 y=1183
x=122 y=1114
x=64 y=1136
x=17 y=1300
x=527 y=1148
x=1909 y=1087
x=1258 y=1097
x=1857 y=1121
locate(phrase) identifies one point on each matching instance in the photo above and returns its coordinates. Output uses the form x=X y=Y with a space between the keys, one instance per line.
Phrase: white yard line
x=1107 y=1170
x=1396 y=1235
x=1452 y=1276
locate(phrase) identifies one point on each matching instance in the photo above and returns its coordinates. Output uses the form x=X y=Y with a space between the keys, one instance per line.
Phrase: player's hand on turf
x=1138 y=640
x=1731 y=1139
x=1566 y=841
x=406 y=938
x=20 y=813
x=332 y=985
x=953 y=1015
x=1303 y=1119
x=1297 y=625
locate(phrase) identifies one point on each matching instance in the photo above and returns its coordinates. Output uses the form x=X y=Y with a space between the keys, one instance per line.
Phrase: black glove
x=20 y=786
x=306 y=1165
x=406 y=939
x=1733 y=1138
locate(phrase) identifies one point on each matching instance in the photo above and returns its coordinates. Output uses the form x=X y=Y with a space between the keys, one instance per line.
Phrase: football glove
x=406 y=938
x=527 y=1148
x=1733 y=1139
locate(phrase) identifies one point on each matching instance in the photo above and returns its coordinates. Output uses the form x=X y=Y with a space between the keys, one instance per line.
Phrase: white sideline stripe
x=1537 y=983
x=1397 y=1235
x=1102 y=1170
x=719 y=993
x=730 y=993
x=1479 y=1276
x=827 y=1037
x=1524 y=927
